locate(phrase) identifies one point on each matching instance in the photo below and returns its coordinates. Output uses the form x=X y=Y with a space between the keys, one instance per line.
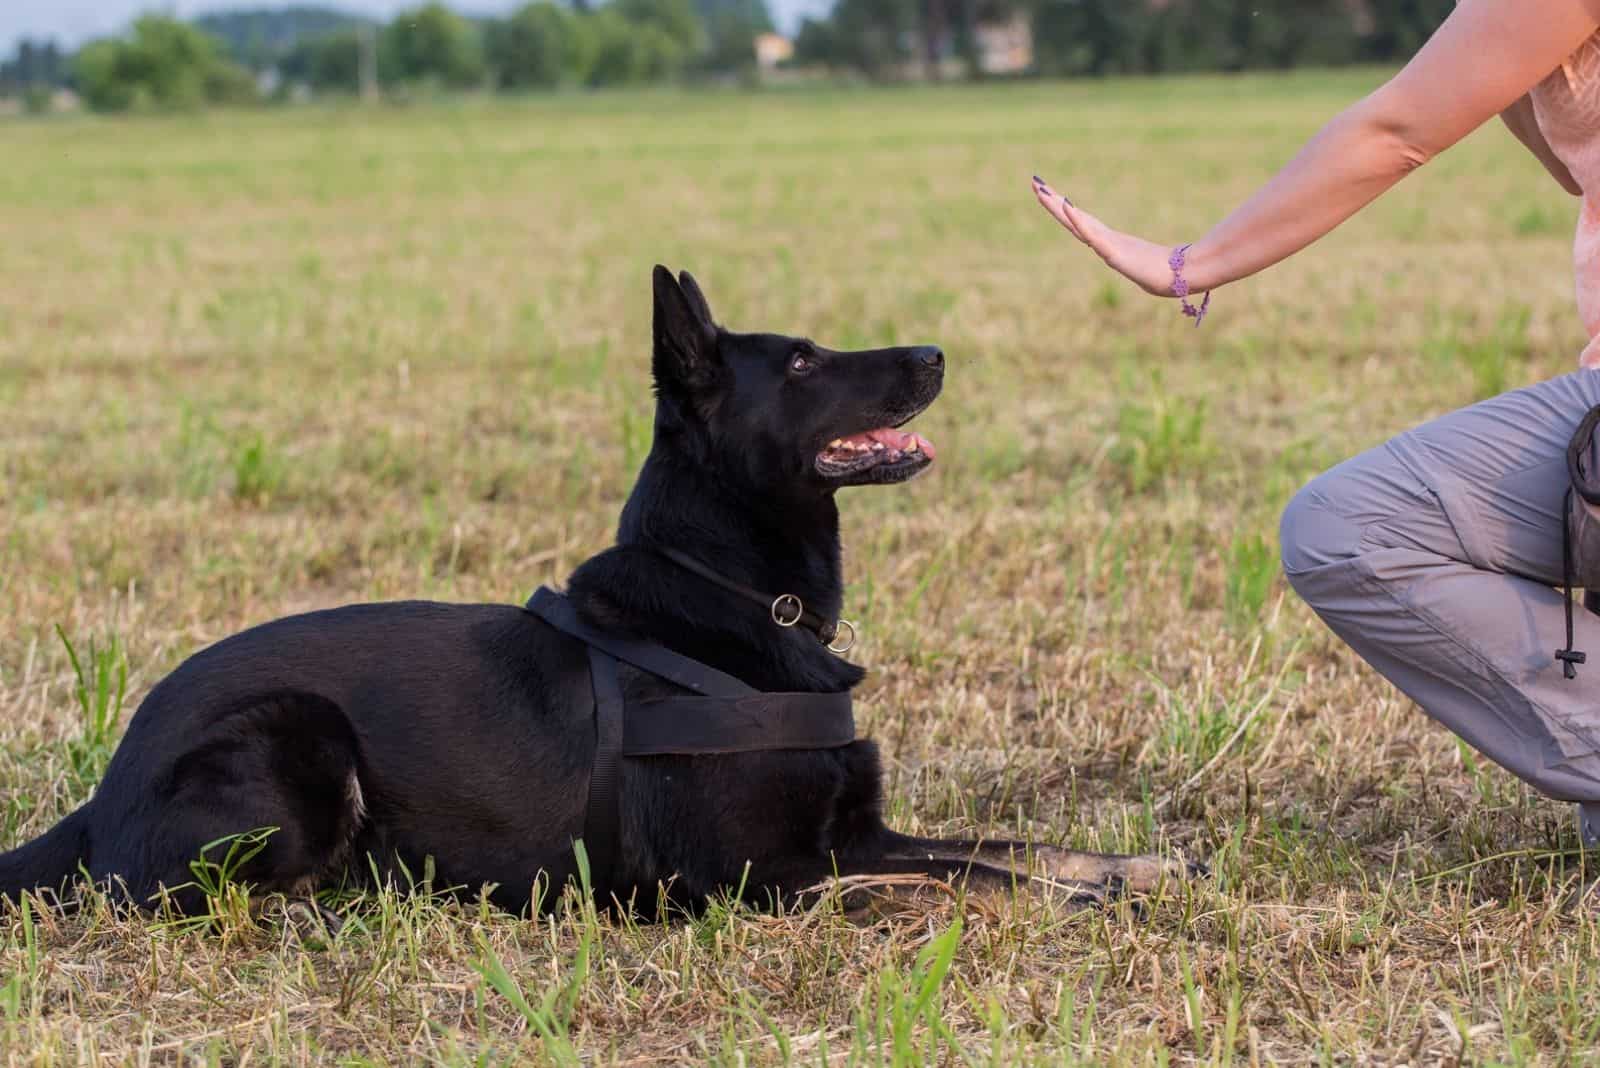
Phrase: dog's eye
x=801 y=364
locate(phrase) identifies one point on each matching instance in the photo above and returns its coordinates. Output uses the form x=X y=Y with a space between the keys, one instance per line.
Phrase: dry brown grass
x=255 y=364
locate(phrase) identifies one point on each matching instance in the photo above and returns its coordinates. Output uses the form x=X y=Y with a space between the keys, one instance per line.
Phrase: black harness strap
x=684 y=726
x=723 y=715
x=602 y=832
x=663 y=663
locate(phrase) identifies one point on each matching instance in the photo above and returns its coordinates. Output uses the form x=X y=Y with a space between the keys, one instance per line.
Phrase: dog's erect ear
x=685 y=337
x=696 y=299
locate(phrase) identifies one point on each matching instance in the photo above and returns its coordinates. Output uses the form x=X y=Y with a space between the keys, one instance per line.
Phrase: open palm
x=1142 y=262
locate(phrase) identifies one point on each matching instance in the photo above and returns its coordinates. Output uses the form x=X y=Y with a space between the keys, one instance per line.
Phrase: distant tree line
x=916 y=38
x=163 y=63
x=33 y=72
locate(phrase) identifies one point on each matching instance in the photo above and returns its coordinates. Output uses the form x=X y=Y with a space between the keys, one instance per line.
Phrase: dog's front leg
x=1140 y=873
x=804 y=881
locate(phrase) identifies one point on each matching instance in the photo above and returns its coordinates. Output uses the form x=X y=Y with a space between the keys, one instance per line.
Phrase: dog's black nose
x=929 y=356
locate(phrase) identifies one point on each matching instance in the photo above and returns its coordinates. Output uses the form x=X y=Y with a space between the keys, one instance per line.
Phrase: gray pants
x=1436 y=557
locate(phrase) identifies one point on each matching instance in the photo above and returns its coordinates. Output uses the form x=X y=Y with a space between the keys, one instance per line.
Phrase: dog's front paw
x=312 y=924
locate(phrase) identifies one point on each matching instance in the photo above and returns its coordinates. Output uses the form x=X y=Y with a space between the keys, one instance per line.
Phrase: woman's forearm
x=1486 y=56
x=1355 y=158
x=1482 y=61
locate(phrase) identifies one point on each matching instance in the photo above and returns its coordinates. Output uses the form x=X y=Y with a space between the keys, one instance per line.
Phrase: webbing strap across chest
x=721 y=715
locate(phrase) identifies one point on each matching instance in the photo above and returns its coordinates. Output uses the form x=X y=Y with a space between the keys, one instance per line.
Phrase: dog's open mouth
x=886 y=451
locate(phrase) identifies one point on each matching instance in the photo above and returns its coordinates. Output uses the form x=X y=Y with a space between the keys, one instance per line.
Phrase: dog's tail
x=47 y=862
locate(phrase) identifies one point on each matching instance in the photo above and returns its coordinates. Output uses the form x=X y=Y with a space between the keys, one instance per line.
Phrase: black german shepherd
x=374 y=737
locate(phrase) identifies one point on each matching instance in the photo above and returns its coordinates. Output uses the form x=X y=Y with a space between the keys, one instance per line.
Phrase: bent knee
x=1314 y=531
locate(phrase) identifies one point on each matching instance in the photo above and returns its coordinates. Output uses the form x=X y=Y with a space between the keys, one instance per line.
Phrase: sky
x=73 y=21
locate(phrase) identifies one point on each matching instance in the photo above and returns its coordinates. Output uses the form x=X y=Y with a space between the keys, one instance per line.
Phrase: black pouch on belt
x=1580 y=538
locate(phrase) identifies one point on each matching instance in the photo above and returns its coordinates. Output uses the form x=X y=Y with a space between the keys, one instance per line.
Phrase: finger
x=1090 y=230
x=1086 y=226
x=1041 y=184
x=1065 y=213
x=1058 y=206
x=1048 y=197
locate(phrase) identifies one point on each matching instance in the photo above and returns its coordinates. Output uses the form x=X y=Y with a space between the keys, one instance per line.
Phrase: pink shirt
x=1567 y=106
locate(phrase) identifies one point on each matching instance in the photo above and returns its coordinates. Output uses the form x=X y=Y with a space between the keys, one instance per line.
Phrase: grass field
x=256 y=364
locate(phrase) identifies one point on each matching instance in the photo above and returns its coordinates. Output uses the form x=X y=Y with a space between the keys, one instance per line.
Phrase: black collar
x=786 y=609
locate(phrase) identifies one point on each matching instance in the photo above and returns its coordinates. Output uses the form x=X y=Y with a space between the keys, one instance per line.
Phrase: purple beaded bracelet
x=1180 y=287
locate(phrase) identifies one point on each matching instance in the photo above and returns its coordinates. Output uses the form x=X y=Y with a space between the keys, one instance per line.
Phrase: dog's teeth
x=877 y=446
x=913 y=445
x=835 y=443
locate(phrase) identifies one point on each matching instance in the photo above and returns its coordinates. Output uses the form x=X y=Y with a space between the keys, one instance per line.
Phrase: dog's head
x=784 y=413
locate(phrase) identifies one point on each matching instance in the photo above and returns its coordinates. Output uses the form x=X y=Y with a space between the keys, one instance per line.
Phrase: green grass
x=253 y=364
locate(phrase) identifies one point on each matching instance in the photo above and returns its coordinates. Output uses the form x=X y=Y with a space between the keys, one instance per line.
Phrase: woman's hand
x=1142 y=262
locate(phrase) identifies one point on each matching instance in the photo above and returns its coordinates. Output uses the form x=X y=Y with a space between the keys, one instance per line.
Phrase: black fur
x=375 y=737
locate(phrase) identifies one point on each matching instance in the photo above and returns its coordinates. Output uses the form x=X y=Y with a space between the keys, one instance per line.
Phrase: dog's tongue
x=899 y=440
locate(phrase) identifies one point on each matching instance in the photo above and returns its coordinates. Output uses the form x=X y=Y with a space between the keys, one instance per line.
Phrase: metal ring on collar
x=786 y=602
x=850 y=640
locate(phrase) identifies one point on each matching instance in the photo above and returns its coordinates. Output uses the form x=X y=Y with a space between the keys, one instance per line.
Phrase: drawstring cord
x=1569 y=656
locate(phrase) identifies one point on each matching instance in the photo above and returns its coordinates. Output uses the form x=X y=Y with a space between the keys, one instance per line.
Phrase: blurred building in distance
x=773 y=50
x=1005 y=46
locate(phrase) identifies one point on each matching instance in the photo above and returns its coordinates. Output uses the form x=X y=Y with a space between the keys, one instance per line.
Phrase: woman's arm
x=1519 y=119
x=1484 y=57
